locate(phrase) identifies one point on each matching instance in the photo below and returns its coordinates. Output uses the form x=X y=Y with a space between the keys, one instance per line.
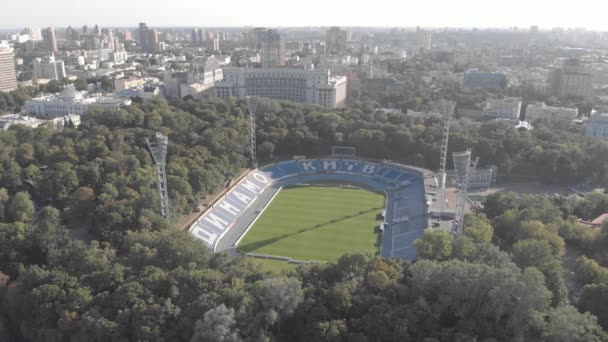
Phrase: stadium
x=317 y=209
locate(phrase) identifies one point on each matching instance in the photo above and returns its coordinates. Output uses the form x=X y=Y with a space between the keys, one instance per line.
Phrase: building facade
x=50 y=39
x=298 y=85
x=508 y=108
x=70 y=102
x=148 y=38
x=554 y=115
x=573 y=80
x=335 y=40
x=8 y=76
x=272 y=49
x=173 y=83
x=476 y=79
x=597 y=125
x=48 y=68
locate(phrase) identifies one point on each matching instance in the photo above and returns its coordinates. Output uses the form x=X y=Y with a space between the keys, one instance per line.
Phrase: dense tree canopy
x=85 y=256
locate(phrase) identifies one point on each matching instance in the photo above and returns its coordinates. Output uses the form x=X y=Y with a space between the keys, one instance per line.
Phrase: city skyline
x=384 y=13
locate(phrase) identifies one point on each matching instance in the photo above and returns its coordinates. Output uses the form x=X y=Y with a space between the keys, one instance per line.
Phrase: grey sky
x=430 y=13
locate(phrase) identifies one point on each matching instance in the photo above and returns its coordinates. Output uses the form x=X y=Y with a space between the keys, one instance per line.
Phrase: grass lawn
x=317 y=223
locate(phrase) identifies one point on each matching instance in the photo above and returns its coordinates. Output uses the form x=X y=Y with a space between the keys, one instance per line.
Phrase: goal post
x=343 y=151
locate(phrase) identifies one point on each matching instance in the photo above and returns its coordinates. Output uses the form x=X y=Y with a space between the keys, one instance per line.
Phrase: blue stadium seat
x=273 y=172
x=289 y=168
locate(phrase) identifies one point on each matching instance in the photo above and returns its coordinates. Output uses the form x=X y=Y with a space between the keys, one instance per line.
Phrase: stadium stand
x=406 y=210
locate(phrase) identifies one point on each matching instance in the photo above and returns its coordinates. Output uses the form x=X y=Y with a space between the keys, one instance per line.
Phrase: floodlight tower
x=446 y=109
x=252 y=104
x=158 y=149
x=464 y=169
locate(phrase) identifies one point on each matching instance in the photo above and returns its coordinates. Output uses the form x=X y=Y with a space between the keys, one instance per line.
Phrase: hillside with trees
x=85 y=256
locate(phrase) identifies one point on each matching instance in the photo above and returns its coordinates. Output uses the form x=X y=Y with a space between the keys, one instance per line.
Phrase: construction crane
x=158 y=149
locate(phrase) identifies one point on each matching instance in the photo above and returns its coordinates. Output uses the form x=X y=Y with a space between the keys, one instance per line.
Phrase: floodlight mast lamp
x=158 y=149
x=252 y=105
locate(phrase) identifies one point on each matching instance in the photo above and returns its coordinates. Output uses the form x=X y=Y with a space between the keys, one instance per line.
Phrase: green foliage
x=478 y=228
x=133 y=278
x=20 y=207
x=435 y=245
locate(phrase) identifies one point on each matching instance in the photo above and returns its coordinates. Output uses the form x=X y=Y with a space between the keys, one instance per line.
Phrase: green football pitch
x=317 y=223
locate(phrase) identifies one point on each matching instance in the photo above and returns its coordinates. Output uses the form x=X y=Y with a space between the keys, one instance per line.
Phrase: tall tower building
x=148 y=38
x=8 y=76
x=573 y=80
x=335 y=41
x=50 y=40
x=272 y=49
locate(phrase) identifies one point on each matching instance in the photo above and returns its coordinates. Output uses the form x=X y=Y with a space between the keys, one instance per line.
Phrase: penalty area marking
x=257 y=217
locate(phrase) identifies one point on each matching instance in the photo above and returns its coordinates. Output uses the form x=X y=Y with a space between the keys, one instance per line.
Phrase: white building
x=70 y=102
x=597 y=125
x=49 y=68
x=6 y=121
x=206 y=72
x=119 y=57
x=542 y=112
x=8 y=76
x=507 y=108
x=298 y=85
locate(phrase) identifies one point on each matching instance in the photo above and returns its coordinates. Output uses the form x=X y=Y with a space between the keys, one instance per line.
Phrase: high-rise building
x=50 y=40
x=34 y=32
x=298 y=85
x=71 y=34
x=8 y=77
x=148 y=38
x=335 y=41
x=255 y=37
x=49 y=68
x=201 y=35
x=214 y=44
x=194 y=37
x=573 y=80
x=272 y=49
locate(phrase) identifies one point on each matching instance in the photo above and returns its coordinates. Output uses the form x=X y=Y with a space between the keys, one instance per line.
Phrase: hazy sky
x=430 y=13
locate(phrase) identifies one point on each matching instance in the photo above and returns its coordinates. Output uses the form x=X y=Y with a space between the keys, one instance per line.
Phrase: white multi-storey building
x=70 y=102
x=298 y=85
x=8 y=77
x=542 y=112
x=49 y=68
x=597 y=125
x=507 y=108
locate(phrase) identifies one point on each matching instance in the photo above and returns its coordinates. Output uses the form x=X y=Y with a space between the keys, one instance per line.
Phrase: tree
x=80 y=84
x=478 y=228
x=566 y=324
x=218 y=325
x=275 y=300
x=435 y=245
x=20 y=207
x=594 y=299
x=539 y=254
